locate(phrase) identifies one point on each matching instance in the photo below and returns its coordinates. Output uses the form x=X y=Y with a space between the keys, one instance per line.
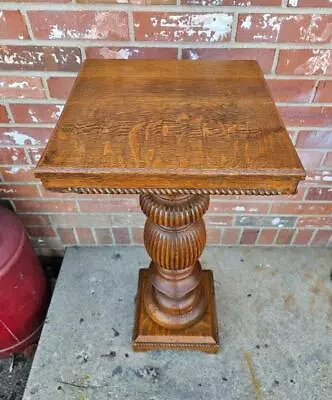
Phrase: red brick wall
x=44 y=44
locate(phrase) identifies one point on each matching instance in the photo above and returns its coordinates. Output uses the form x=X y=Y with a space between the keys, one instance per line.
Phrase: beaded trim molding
x=222 y=191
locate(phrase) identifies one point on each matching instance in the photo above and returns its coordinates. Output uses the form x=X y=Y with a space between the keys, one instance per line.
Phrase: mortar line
x=234 y=27
x=314 y=92
x=161 y=8
x=312 y=236
x=131 y=28
x=46 y=74
x=275 y=62
x=27 y=23
x=46 y=89
x=150 y=43
x=9 y=113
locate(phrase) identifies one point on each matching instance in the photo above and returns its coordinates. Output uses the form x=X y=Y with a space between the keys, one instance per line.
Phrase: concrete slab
x=275 y=319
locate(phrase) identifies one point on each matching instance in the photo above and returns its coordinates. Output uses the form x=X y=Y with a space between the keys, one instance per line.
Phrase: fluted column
x=174 y=237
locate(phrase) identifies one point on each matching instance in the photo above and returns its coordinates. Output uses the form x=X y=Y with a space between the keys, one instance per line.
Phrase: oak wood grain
x=170 y=124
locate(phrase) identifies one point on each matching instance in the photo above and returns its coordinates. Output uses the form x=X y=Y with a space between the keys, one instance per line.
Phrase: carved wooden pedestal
x=175 y=305
x=173 y=132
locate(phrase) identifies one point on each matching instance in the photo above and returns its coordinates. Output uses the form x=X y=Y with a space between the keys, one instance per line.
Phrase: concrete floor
x=275 y=319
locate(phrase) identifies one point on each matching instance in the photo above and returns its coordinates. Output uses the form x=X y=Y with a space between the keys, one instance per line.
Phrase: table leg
x=175 y=305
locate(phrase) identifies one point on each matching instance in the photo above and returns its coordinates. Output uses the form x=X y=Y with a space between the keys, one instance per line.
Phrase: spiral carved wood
x=174 y=237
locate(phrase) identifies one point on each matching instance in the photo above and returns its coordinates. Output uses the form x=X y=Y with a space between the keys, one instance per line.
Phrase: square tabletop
x=209 y=125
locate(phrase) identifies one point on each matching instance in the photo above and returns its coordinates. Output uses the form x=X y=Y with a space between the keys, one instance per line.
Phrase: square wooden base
x=203 y=336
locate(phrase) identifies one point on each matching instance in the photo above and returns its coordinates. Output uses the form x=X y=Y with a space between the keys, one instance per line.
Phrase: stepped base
x=202 y=336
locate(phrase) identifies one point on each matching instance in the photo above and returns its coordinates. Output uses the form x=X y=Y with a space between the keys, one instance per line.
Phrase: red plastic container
x=23 y=287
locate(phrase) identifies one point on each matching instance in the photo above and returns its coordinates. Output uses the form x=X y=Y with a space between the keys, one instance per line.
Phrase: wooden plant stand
x=174 y=132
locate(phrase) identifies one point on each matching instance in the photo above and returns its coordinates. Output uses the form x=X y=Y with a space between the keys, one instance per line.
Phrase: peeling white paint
x=15 y=170
x=209 y=27
x=121 y=54
x=105 y=23
x=21 y=85
x=56 y=114
x=56 y=32
x=246 y=24
x=319 y=62
x=20 y=139
x=33 y=116
x=239 y=208
x=193 y=55
x=7 y=191
x=276 y=221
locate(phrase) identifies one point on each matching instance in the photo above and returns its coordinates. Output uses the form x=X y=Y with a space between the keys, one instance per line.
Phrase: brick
x=213 y=236
x=263 y=56
x=328 y=160
x=309 y=3
x=319 y=194
x=267 y=236
x=321 y=237
x=40 y=58
x=3 y=115
x=306 y=116
x=314 y=139
x=264 y=220
x=103 y=236
x=60 y=87
x=285 y=236
x=12 y=156
x=46 y=206
x=249 y=236
x=236 y=207
x=41 y=231
x=24 y=136
x=90 y=25
x=33 y=220
x=310 y=159
x=36 y=113
x=121 y=235
x=297 y=28
x=302 y=208
x=291 y=90
x=12 y=25
x=67 y=236
x=137 y=235
x=135 y=53
x=234 y=3
x=218 y=220
x=314 y=222
x=80 y=220
x=21 y=87
x=302 y=237
x=110 y=206
x=85 y=236
x=324 y=92
x=183 y=27
x=230 y=236
x=16 y=191
x=22 y=173
x=319 y=177
x=128 y=219
x=305 y=62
